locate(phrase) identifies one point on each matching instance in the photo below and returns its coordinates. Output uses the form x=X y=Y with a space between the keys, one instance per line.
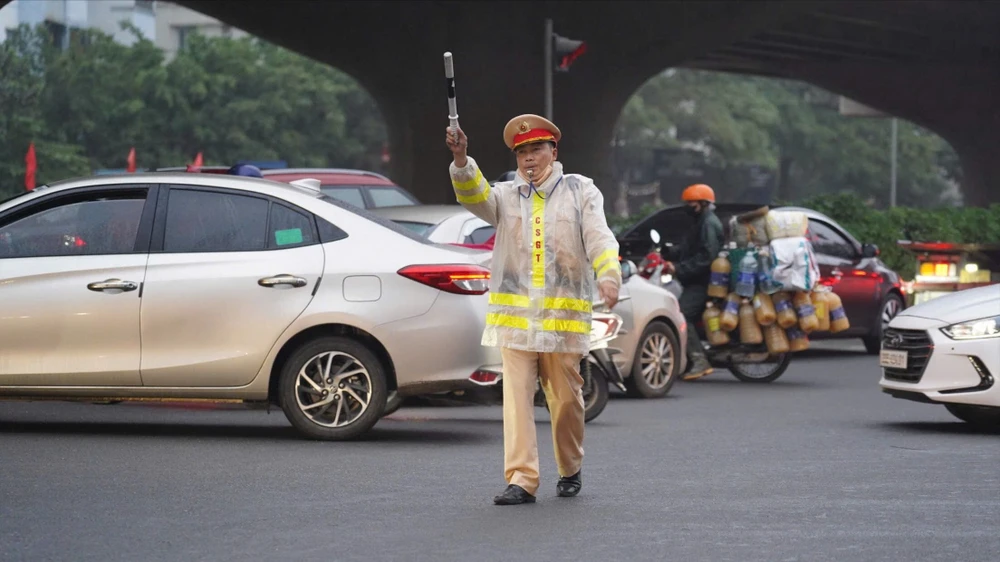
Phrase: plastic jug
x=797 y=340
x=763 y=308
x=776 y=339
x=746 y=282
x=713 y=333
x=783 y=307
x=807 y=313
x=820 y=300
x=838 y=318
x=718 y=283
x=749 y=329
x=731 y=313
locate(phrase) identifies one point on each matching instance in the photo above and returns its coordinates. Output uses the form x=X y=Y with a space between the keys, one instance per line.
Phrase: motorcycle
x=597 y=368
x=748 y=363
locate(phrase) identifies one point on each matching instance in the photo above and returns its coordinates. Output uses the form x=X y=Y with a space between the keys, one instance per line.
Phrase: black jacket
x=693 y=257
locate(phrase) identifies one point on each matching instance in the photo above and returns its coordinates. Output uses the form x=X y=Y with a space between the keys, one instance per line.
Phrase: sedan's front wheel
x=333 y=388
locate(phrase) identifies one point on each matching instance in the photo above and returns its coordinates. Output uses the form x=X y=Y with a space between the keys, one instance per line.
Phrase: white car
x=947 y=351
x=208 y=286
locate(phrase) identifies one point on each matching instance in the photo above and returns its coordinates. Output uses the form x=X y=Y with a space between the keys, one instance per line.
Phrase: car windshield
x=399 y=229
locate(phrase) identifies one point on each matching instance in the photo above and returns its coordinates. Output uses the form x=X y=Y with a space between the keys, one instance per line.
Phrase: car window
x=388 y=197
x=381 y=221
x=421 y=228
x=480 y=235
x=92 y=225
x=350 y=195
x=207 y=221
x=826 y=240
x=288 y=228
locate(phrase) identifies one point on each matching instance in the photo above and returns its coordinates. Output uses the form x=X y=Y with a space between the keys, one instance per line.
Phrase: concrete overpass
x=932 y=62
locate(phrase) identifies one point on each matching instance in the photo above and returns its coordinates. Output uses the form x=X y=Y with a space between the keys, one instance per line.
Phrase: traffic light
x=566 y=51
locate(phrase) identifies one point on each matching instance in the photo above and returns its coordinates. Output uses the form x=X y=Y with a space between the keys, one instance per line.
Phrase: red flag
x=131 y=161
x=30 y=167
x=198 y=163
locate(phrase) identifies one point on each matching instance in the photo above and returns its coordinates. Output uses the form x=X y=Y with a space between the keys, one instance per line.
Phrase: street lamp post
x=892 y=167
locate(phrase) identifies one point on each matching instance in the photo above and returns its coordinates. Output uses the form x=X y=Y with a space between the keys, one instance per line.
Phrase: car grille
x=918 y=346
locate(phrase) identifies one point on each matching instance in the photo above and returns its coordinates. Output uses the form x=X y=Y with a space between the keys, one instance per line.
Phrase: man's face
x=535 y=157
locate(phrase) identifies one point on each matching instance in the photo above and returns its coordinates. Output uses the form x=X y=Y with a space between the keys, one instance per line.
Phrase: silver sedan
x=654 y=334
x=199 y=286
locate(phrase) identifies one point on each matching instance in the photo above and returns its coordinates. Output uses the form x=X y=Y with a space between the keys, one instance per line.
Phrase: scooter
x=748 y=363
x=597 y=368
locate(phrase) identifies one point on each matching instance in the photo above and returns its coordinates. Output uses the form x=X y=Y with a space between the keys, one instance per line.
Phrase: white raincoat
x=552 y=247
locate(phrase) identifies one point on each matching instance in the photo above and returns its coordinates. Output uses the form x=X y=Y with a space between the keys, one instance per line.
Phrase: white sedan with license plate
x=947 y=351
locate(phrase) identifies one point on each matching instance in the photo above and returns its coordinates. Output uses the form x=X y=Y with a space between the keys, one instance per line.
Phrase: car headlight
x=974 y=329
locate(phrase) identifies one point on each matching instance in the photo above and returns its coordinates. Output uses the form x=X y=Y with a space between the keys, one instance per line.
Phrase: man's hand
x=458 y=143
x=609 y=293
x=669 y=267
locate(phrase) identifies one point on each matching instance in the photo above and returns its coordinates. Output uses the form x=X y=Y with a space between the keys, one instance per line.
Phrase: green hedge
x=968 y=225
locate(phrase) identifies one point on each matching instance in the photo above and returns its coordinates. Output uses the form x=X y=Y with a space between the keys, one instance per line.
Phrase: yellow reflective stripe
x=471 y=184
x=563 y=303
x=474 y=199
x=551 y=325
x=605 y=269
x=507 y=299
x=507 y=321
x=575 y=326
x=549 y=303
x=538 y=242
x=605 y=256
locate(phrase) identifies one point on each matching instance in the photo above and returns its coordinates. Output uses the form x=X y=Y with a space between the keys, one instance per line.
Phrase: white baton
x=449 y=73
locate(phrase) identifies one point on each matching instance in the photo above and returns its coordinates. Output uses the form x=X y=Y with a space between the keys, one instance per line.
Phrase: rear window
x=397 y=228
x=351 y=195
x=389 y=197
x=419 y=227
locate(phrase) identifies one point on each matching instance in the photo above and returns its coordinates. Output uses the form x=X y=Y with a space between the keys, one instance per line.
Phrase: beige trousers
x=562 y=383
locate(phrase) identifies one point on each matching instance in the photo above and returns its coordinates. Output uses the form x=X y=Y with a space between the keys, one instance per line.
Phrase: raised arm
x=471 y=189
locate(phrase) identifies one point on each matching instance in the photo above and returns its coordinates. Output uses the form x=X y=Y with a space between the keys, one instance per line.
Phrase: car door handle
x=283 y=279
x=113 y=285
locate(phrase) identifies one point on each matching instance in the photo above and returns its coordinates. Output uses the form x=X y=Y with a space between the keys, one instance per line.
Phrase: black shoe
x=699 y=367
x=570 y=486
x=514 y=495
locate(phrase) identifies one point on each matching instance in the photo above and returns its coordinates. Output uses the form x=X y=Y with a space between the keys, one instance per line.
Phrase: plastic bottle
x=718 y=283
x=749 y=329
x=807 y=313
x=715 y=336
x=797 y=340
x=765 y=280
x=776 y=339
x=820 y=300
x=731 y=313
x=764 y=309
x=746 y=282
x=838 y=318
x=786 y=313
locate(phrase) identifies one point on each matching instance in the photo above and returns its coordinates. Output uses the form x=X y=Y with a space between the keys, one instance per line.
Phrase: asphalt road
x=816 y=466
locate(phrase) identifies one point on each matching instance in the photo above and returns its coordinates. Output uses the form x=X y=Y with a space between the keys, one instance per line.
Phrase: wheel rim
x=657 y=360
x=889 y=312
x=333 y=389
x=759 y=370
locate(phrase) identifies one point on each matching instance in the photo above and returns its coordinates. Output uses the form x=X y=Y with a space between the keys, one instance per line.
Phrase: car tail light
x=459 y=279
x=484 y=378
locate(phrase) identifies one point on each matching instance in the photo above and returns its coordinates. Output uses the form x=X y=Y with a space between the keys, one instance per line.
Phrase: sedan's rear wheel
x=333 y=388
x=655 y=367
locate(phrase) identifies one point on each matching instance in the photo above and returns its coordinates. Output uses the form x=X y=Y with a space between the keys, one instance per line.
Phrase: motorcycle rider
x=690 y=263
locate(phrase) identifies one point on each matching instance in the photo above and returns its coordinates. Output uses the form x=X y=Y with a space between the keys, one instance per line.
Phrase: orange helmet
x=698 y=192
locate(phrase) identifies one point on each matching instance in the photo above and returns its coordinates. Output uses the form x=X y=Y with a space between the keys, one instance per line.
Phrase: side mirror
x=870 y=251
x=628 y=270
x=654 y=236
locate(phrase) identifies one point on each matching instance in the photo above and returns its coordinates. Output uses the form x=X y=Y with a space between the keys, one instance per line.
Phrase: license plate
x=892 y=359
